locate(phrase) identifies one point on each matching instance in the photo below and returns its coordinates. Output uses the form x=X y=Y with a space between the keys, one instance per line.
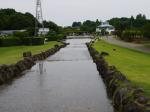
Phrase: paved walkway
x=138 y=47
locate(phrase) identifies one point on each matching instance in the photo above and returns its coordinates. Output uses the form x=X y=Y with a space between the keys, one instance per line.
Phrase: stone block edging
x=10 y=72
x=125 y=97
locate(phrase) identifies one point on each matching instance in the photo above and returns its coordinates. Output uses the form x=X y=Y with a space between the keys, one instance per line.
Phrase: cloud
x=64 y=12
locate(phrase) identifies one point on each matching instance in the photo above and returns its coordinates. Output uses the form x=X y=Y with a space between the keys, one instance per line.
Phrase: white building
x=43 y=31
x=105 y=26
x=10 y=32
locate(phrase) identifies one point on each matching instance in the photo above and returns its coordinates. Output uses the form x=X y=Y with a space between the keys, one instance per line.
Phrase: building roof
x=105 y=25
x=11 y=31
x=43 y=29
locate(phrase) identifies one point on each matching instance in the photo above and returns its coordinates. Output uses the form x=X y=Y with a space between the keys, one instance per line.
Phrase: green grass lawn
x=135 y=65
x=9 y=55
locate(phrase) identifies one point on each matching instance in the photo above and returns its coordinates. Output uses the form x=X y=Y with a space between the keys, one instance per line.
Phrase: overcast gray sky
x=64 y=12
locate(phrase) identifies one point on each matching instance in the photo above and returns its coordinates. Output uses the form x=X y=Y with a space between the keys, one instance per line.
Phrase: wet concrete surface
x=69 y=82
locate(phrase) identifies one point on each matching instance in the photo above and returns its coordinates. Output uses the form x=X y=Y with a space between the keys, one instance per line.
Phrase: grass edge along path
x=134 y=64
x=10 y=55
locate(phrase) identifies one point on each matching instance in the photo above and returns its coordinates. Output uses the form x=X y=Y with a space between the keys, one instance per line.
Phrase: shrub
x=104 y=32
x=146 y=30
x=21 y=34
x=33 y=41
x=31 y=31
x=14 y=41
x=9 y=41
x=38 y=41
x=146 y=34
x=131 y=35
x=60 y=36
x=26 y=41
x=54 y=36
x=118 y=33
x=51 y=37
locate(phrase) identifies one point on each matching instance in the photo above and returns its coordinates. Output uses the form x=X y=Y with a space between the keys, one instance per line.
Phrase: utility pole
x=39 y=17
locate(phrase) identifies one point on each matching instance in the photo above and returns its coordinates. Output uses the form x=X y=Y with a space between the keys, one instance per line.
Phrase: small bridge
x=80 y=37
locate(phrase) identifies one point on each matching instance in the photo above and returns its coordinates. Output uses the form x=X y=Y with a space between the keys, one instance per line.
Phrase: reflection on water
x=41 y=69
x=71 y=83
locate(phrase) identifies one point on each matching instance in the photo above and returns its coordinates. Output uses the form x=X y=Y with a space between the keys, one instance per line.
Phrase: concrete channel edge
x=10 y=72
x=125 y=97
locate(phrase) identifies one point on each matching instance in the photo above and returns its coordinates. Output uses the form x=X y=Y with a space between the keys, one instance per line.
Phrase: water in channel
x=67 y=82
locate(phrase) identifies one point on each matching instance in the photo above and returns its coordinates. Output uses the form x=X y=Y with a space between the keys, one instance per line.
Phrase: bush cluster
x=21 y=34
x=9 y=41
x=54 y=36
x=131 y=35
x=33 y=41
x=14 y=41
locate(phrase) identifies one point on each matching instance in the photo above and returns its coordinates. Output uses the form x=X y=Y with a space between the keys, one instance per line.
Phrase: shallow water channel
x=68 y=82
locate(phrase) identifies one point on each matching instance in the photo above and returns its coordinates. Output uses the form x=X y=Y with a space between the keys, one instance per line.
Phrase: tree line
x=131 y=28
x=125 y=27
x=13 y=20
x=87 y=26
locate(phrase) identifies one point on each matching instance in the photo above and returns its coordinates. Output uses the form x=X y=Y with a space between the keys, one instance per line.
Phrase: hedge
x=5 y=42
x=38 y=41
x=13 y=41
x=130 y=35
x=55 y=37
x=21 y=34
x=26 y=41
x=33 y=41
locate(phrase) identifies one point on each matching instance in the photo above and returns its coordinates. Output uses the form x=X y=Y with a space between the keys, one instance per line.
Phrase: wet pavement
x=66 y=82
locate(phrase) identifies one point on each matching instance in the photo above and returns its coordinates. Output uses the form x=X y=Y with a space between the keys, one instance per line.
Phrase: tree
x=131 y=22
x=98 y=22
x=131 y=28
x=21 y=34
x=12 y=20
x=51 y=25
x=88 y=26
x=120 y=23
x=76 y=24
x=140 y=21
x=141 y=17
x=31 y=31
x=146 y=30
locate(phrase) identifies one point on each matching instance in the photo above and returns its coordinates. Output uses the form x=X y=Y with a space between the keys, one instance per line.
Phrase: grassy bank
x=135 y=65
x=9 y=55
